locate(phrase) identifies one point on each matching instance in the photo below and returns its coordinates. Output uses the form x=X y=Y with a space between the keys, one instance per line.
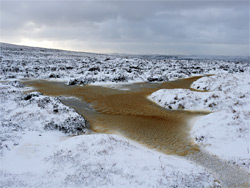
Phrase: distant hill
x=140 y=56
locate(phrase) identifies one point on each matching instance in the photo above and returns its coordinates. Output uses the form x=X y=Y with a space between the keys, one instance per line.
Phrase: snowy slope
x=34 y=156
x=224 y=132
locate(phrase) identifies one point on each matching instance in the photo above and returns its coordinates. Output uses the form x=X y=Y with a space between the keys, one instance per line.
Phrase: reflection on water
x=130 y=113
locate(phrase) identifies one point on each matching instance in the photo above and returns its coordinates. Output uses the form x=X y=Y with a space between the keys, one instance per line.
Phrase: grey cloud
x=144 y=26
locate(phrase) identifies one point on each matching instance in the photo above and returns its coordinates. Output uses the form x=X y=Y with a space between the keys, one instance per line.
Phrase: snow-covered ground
x=19 y=62
x=226 y=131
x=35 y=154
x=41 y=144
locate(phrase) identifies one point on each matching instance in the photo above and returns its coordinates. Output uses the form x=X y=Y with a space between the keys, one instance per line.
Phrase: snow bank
x=33 y=156
x=33 y=112
x=96 y=161
x=225 y=132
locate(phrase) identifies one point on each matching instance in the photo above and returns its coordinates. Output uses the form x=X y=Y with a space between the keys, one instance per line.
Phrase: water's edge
x=131 y=114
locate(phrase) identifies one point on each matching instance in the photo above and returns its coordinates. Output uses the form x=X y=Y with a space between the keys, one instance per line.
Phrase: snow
x=44 y=143
x=22 y=113
x=20 y=62
x=34 y=156
x=224 y=132
x=98 y=161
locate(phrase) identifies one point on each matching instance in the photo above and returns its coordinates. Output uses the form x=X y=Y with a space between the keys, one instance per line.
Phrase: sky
x=200 y=27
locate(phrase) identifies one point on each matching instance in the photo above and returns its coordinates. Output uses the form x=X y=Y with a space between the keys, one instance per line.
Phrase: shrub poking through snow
x=85 y=68
x=72 y=126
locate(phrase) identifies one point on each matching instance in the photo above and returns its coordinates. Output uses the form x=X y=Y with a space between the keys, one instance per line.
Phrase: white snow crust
x=34 y=156
x=226 y=131
x=20 y=62
x=44 y=143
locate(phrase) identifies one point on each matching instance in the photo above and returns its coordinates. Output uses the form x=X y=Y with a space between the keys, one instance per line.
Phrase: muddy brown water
x=131 y=114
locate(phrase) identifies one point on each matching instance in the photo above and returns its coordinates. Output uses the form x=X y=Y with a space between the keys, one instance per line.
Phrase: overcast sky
x=204 y=27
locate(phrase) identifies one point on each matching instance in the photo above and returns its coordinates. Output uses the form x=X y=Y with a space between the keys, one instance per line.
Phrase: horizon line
x=123 y=53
